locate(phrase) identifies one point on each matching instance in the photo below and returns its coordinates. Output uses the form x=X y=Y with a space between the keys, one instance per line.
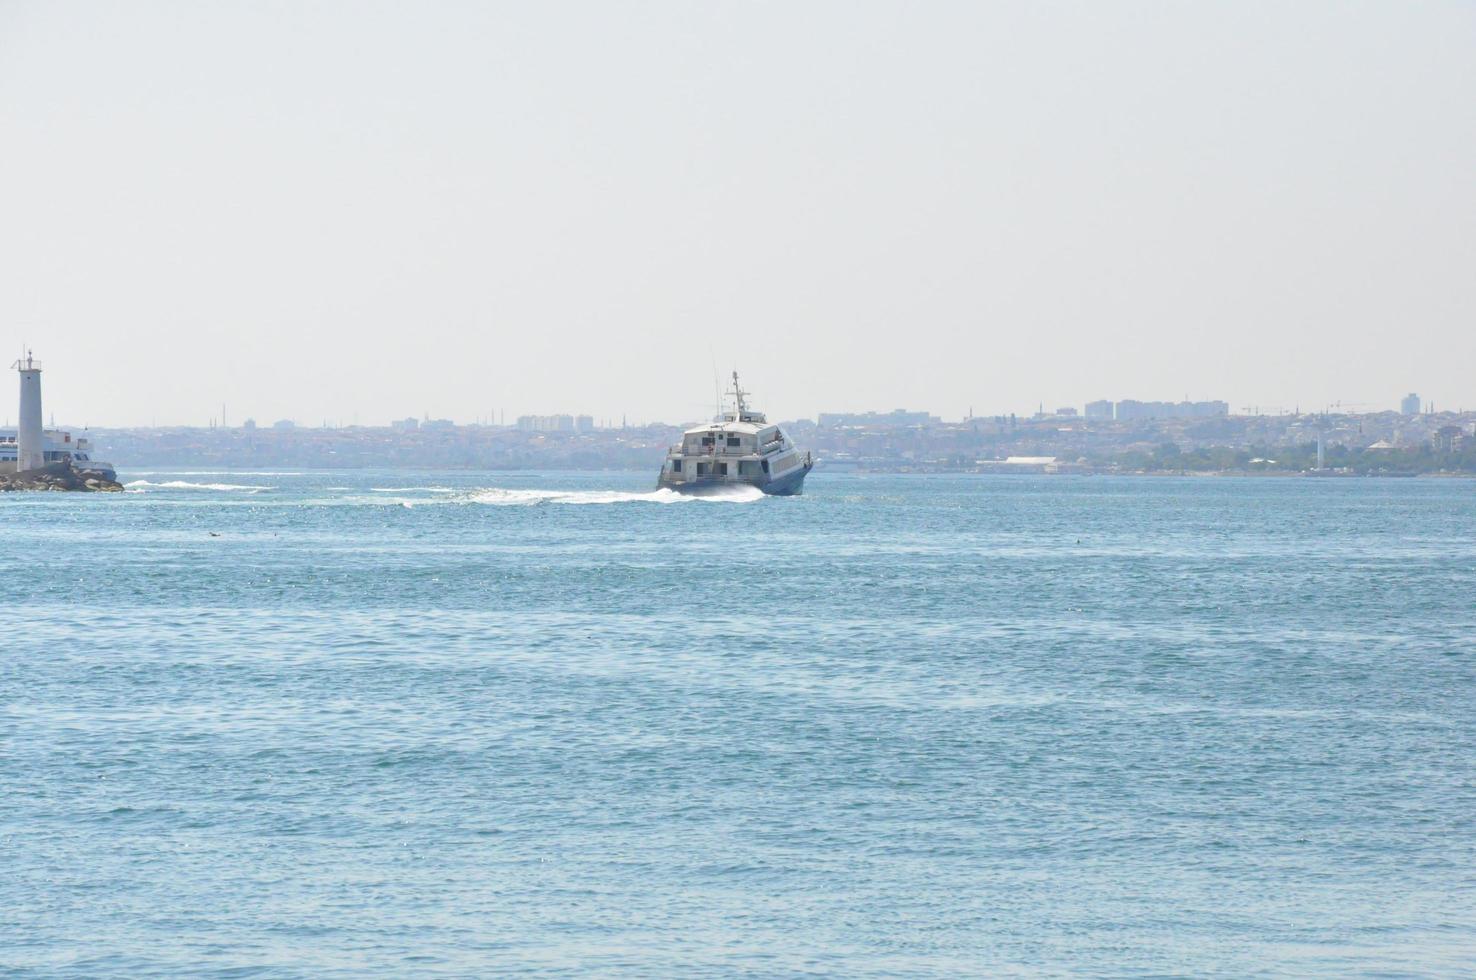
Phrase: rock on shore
x=60 y=476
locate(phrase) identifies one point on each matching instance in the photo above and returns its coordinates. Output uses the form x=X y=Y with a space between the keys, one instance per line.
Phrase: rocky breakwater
x=60 y=476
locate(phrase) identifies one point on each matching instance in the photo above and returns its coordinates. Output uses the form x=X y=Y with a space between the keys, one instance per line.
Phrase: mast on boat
x=740 y=405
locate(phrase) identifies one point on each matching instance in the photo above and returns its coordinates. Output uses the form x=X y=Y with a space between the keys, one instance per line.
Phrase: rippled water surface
x=337 y=723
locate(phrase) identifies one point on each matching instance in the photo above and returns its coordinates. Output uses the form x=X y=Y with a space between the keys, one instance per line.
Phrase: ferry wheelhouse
x=737 y=448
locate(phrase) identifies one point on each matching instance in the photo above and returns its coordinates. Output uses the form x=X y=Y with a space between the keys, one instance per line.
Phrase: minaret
x=30 y=444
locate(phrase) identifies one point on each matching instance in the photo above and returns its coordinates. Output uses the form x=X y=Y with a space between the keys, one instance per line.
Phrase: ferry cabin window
x=707 y=440
x=676 y=466
x=733 y=441
x=722 y=469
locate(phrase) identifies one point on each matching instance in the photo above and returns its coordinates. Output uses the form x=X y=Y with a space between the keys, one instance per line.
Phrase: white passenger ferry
x=737 y=448
x=58 y=446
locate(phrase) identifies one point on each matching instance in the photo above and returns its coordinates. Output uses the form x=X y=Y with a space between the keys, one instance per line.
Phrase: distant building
x=1448 y=439
x=1018 y=464
x=438 y=425
x=284 y=424
x=546 y=423
x=405 y=425
x=1066 y=413
x=249 y=425
x=1129 y=410
x=1099 y=409
x=899 y=417
x=1410 y=405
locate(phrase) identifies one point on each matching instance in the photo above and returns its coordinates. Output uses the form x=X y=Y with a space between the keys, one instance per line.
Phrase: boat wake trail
x=140 y=486
x=499 y=497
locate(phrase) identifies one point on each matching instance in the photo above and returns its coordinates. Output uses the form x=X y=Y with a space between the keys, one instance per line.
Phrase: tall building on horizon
x=1410 y=405
x=1130 y=409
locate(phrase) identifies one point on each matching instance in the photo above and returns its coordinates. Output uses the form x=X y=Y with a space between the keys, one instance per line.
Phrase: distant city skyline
x=223 y=413
x=1096 y=410
x=332 y=211
x=1148 y=437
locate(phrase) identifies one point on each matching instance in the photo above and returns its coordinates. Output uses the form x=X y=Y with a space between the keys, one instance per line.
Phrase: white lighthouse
x=30 y=443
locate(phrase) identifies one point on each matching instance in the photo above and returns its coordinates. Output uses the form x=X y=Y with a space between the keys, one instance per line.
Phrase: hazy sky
x=322 y=210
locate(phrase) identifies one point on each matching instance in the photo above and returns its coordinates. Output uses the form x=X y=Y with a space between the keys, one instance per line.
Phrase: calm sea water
x=334 y=723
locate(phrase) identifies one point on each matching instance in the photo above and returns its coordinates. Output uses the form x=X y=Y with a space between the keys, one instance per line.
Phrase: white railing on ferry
x=713 y=451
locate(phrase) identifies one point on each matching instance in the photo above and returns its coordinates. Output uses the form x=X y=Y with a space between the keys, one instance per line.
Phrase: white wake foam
x=172 y=472
x=500 y=497
x=143 y=485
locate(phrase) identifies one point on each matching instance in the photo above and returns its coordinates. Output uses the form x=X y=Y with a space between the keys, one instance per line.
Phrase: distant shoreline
x=1386 y=445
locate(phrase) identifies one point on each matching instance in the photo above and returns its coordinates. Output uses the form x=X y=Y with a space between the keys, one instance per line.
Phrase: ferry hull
x=789 y=485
